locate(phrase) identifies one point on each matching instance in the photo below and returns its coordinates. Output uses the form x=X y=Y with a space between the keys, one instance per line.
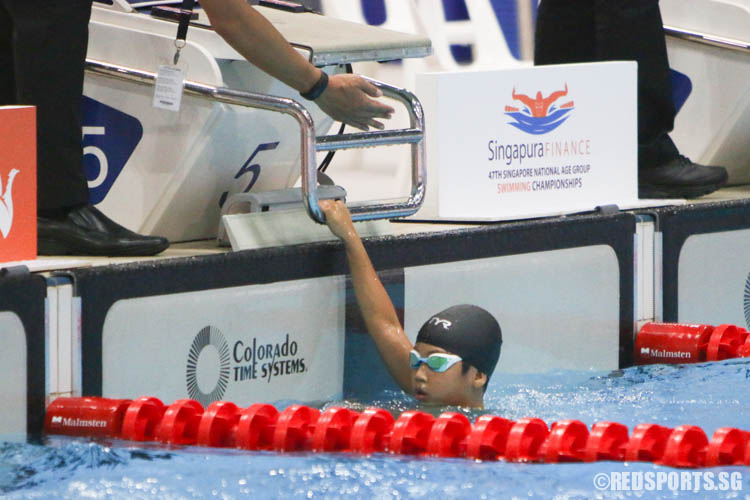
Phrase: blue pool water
x=711 y=396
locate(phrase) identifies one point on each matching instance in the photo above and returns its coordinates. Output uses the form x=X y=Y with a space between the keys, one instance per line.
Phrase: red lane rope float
x=607 y=441
x=725 y=342
x=294 y=428
x=371 y=431
x=647 y=443
x=87 y=417
x=333 y=430
x=728 y=446
x=256 y=426
x=218 y=425
x=525 y=439
x=180 y=423
x=142 y=418
x=410 y=433
x=566 y=442
x=744 y=349
x=679 y=343
x=686 y=445
x=488 y=438
x=448 y=435
x=301 y=428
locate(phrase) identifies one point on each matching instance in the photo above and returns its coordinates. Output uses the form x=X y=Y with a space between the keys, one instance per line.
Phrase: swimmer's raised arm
x=347 y=97
x=376 y=306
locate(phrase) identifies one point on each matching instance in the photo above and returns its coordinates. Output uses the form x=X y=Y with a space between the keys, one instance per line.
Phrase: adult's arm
x=377 y=309
x=348 y=98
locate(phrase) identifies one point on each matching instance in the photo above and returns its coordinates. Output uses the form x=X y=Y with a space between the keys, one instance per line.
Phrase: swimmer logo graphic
x=212 y=341
x=539 y=115
x=6 y=204
x=17 y=183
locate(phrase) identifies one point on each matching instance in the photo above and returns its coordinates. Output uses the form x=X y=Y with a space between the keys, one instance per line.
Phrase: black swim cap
x=468 y=331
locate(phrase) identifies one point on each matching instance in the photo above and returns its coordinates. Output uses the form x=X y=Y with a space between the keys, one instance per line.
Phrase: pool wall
x=279 y=324
x=568 y=292
x=561 y=291
x=706 y=264
x=22 y=356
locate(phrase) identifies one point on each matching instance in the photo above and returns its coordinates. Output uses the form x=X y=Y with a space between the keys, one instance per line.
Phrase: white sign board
x=521 y=143
x=251 y=344
x=718 y=293
x=13 y=371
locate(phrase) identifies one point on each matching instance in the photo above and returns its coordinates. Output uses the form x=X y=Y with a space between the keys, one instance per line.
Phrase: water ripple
x=710 y=396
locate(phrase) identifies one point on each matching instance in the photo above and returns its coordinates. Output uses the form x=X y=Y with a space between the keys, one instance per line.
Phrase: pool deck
x=192 y=249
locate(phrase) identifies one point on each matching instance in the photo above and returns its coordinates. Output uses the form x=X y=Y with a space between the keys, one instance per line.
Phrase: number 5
x=99 y=154
x=253 y=169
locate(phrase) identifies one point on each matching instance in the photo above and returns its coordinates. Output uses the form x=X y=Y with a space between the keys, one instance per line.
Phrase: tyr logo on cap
x=441 y=322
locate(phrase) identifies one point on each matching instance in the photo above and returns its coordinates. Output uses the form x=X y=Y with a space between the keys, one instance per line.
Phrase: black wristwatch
x=316 y=89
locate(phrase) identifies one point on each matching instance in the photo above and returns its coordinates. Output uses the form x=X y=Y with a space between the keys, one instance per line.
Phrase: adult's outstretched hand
x=350 y=99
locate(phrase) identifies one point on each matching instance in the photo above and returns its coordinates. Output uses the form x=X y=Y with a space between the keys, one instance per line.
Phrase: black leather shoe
x=87 y=231
x=680 y=178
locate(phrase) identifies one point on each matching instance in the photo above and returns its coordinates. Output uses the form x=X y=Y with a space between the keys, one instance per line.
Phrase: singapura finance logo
x=540 y=114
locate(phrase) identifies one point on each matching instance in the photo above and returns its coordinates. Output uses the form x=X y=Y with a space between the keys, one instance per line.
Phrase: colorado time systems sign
x=247 y=344
x=245 y=361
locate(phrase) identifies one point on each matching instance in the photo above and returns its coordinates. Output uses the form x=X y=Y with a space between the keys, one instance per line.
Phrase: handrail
x=413 y=136
x=706 y=39
x=309 y=144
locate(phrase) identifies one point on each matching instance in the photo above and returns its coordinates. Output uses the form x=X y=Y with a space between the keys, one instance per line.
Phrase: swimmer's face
x=452 y=387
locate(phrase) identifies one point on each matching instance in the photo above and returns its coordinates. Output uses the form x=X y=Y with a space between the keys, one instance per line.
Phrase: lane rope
x=301 y=428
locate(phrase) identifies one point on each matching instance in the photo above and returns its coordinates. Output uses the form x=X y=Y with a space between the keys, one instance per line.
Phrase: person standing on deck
x=570 y=31
x=43 y=46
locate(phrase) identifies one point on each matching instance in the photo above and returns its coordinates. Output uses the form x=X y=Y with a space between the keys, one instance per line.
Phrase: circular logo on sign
x=747 y=300
x=208 y=366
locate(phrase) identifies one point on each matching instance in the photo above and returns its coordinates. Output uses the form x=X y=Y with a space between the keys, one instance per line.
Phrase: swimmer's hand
x=347 y=99
x=338 y=219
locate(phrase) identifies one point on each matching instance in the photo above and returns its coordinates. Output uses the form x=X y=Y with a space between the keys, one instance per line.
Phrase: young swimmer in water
x=456 y=349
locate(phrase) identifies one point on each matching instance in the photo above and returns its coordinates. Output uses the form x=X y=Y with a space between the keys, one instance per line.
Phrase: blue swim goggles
x=437 y=362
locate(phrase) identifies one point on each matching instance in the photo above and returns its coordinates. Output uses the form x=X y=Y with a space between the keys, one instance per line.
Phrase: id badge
x=170 y=81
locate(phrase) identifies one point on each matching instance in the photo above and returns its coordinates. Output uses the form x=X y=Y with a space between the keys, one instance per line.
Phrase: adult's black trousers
x=570 y=31
x=42 y=54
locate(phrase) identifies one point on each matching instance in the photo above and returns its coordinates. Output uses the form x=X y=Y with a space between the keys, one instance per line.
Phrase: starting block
x=238 y=130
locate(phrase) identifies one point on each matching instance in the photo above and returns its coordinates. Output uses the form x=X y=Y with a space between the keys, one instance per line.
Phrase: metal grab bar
x=706 y=39
x=309 y=144
x=413 y=135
